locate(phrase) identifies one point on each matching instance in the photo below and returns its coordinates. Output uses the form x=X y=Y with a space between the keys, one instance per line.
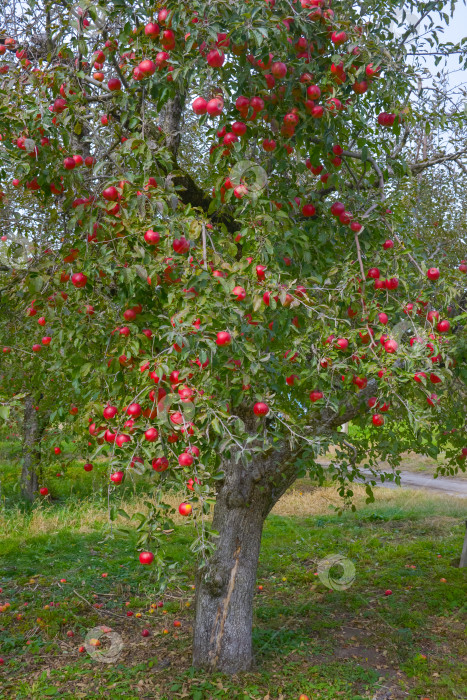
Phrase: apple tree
x=230 y=281
x=35 y=390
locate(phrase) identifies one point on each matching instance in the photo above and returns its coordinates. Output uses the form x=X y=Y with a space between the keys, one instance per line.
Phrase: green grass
x=63 y=475
x=308 y=638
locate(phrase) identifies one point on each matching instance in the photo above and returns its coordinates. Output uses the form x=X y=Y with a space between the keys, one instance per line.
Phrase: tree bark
x=225 y=590
x=32 y=435
x=463 y=560
x=171 y=120
x=225 y=586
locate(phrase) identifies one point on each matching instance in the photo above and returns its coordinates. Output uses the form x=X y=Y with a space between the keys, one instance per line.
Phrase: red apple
x=146 y=557
x=269 y=145
x=79 y=280
x=360 y=87
x=199 y=105
x=152 y=237
x=290 y=381
x=185 y=509
x=261 y=409
x=134 y=410
x=185 y=460
x=313 y=92
x=257 y=104
x=223 y=338
x=390 y=346
x=151 y=434
x=110 y=412
x=214 y=107
x=443 y=326
x=239 y=292
x=110 y=194
x=190 y=483
x=308 y=210
x=160 y=464
x=215 y=58
x=122 y=439
x=114 y=84
x=391 y=283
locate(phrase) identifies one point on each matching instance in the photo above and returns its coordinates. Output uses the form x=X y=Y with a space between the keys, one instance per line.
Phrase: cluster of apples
x=273 y=71
x=135 y=411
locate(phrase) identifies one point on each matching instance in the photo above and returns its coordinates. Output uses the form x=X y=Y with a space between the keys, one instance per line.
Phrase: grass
x=353 y=643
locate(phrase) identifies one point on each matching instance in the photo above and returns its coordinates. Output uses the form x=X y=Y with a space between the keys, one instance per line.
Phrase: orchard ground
x=309 y=638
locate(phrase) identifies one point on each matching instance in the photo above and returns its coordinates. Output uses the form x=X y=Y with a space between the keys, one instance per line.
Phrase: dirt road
x=412 y=480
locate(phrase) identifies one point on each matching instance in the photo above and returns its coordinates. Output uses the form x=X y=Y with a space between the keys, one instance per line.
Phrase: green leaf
x=83 y=47
x=37 y=283
x=218 y=476
x=141 y=272
x=4 y=412
x=85 y=369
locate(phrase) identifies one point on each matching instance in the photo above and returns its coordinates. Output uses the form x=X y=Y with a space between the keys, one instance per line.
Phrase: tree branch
x=330 y=419
x=419 y=167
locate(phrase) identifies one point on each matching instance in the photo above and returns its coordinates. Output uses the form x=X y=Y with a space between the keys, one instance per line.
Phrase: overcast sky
x=456 y=30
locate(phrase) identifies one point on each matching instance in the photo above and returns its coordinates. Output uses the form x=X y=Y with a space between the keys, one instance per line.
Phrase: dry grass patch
x=303 y=500
x=320 y=501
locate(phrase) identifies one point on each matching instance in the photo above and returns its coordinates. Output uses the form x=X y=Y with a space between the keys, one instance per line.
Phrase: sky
x=456 y=30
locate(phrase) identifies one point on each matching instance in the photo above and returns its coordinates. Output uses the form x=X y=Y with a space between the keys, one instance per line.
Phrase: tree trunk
x=170 y=122
x=463 y=560
x=225 y=586
x=32 y=435
x=225 y=592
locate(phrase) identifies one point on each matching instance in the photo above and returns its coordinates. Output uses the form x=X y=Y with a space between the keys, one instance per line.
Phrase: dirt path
x=412 y=480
